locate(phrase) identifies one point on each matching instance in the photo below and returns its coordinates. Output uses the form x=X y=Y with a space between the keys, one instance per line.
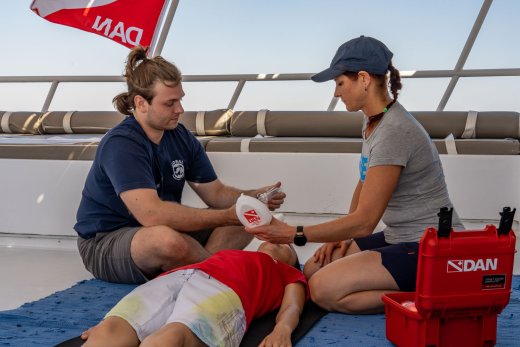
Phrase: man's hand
x=232 y=216
x=276 y=200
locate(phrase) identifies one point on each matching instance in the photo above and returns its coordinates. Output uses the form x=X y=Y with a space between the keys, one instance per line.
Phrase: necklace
x=375 y=118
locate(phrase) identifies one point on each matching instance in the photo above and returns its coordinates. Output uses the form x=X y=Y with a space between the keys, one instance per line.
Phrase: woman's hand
x=276 y=232
x=323 y=255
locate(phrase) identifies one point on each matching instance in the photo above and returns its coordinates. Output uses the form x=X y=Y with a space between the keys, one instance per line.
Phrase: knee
x=104 y=329
x=330 y=297
x=310 y=268
x=324 y=292
x=171 y=243
x=320 y=292
x=110 y=329
x=172 y=334
x=161 y=339
x=151 y=341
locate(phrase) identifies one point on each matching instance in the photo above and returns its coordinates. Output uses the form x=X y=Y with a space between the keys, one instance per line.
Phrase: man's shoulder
x=128 y=128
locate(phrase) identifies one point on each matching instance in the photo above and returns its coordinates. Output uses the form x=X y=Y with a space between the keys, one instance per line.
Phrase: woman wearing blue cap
x=401 y=183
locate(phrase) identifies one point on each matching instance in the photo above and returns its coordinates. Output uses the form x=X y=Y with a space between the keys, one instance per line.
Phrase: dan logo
x=131 y=34
x=252 y=217
x=469 y=265
x=178 y=169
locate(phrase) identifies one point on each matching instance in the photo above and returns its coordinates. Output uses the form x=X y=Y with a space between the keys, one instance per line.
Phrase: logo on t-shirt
x=178 y=169
x=363 y=163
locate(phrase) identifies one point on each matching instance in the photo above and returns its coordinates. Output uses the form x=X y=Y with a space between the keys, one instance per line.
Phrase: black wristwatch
x=299 y=238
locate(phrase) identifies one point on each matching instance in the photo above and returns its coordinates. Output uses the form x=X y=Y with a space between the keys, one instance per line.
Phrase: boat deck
x=34 y=267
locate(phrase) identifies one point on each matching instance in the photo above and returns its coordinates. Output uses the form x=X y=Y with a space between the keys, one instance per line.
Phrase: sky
x=272 y=36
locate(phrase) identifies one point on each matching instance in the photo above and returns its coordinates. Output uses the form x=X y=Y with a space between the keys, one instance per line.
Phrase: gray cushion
x=80 y=122
x=213 y=123
x=20 y=122
x=489 y=124
x=350 y=145
x=482 y=146
x=299 y=123
x=83 y=151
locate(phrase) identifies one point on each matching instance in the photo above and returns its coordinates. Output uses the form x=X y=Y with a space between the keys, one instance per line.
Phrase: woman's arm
x=374 y=195
x=355 y=197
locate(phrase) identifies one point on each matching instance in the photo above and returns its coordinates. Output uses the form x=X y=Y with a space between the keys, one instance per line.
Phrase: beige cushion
x=298 y=123
x=285 y=145
x=481 y=146
x=350 y=145
x=212 y=123
x=83 y=151
x=53 y=147
x=20 y=122
x=489 y=124
x=80 y=122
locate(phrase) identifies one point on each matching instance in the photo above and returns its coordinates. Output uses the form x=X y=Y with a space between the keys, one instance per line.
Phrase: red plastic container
x=463 y=283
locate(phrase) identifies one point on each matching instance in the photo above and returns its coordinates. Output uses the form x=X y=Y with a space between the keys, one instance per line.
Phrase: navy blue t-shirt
x=126 y=159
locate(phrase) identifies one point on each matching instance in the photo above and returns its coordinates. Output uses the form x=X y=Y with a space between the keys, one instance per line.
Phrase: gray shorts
x=107 y=255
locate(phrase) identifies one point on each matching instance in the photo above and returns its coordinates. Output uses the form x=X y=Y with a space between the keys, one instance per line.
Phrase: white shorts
x=209 y=308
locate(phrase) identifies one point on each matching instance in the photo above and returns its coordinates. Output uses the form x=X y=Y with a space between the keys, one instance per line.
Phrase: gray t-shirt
x=421 y=191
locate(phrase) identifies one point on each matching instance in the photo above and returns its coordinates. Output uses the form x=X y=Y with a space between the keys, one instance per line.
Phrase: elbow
x=366 y=225
x=364 y=231
x=150 y=217
x=148 y=220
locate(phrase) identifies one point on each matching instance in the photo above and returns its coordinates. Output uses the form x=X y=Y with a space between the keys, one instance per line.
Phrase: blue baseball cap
x=363 y=53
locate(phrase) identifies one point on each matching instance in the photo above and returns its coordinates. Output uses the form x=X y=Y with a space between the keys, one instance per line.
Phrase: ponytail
x=122 y=104
x=394 y=81
x=141 y=74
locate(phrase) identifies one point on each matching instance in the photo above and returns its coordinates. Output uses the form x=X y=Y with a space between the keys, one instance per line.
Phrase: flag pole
x=159 y=39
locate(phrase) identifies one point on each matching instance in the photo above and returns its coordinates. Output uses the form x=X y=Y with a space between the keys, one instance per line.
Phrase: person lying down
x=211 y=303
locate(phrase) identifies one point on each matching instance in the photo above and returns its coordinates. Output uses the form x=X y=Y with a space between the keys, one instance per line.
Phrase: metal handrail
x=465 y=52
x=241 y=79
x=264 y=77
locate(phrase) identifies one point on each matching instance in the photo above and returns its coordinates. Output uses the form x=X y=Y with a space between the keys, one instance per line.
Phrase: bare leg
x=231 y=237
x=173 y=334
x=311 y=266
x=353 y=284
x=367 y=302
x=113 y=331
x=160 y=248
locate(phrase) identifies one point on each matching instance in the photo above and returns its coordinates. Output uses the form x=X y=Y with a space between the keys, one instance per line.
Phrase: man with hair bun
x=131 y=223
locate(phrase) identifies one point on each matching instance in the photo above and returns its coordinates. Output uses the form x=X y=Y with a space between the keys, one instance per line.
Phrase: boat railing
x=241 y=80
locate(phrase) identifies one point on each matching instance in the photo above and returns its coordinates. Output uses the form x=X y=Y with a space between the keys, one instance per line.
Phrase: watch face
x=300 y=240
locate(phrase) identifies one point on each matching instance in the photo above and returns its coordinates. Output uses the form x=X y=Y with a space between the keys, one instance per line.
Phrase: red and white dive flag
x=128 y=22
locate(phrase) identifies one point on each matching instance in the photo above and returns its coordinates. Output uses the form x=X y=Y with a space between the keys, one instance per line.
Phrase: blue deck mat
x=67 y=313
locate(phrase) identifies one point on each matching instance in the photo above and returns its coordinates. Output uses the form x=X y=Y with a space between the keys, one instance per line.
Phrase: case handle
x=506 y=220
x=445 y=216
